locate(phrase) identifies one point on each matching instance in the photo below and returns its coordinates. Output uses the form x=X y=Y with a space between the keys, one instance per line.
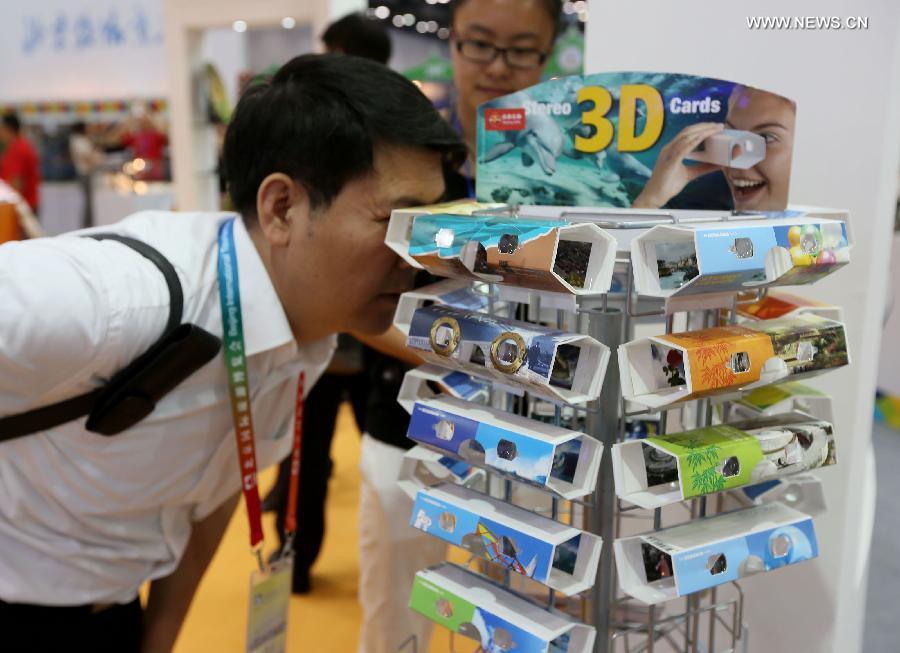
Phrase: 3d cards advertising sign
x=641 y=140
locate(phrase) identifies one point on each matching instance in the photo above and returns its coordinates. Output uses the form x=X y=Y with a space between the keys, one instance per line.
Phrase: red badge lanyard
x=239 y=392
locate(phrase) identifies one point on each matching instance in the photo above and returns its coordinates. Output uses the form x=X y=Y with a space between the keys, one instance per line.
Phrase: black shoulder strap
x=46 y=417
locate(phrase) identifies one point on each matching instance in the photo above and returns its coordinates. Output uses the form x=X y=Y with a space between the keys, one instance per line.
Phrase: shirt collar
x=265 y=324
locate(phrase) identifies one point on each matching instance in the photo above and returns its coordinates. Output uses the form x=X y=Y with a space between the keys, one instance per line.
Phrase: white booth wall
x=846 y=154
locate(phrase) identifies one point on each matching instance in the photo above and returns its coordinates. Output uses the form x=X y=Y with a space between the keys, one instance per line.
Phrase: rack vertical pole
x=603 y=424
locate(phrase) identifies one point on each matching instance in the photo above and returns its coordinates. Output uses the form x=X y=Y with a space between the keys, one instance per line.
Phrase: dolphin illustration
x=622 y=164
x=541 y=141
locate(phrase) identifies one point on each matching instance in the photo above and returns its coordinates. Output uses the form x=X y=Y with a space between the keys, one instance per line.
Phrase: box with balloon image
x=471 y=606
x=553 y=364
x=558 y=556
x=669 y=468
x=550 y=255
x=637 y=139
x=672 y=562
x=550 y=457
x=667 y=369
x=690 y=259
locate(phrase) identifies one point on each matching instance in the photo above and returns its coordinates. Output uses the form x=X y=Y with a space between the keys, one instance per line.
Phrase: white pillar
x=847 y=88
x=192 y=142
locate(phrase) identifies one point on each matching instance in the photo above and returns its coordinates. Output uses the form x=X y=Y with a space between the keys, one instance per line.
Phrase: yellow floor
x=325 y=621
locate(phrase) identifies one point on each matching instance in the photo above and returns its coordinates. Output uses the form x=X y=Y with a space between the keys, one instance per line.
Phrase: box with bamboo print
x=666 y=469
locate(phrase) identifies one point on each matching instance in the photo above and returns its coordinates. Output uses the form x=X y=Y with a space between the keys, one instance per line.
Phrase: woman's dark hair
x=552 y=7
x=319 y=119
x=360 y=36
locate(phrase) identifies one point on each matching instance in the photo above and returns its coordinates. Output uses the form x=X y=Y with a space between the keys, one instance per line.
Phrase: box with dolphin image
x=672 y=562
x=537 y=254
x=689 y=259
x=667 y=369
x=556 y=459
x=599 y=139
x=665 y=469
x=558 y=556
x=471 y=606
x=554 y=364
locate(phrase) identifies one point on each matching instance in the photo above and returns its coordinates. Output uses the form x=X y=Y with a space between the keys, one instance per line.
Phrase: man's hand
x=170 y=597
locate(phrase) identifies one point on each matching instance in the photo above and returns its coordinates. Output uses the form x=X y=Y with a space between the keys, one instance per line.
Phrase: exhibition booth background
x=847 y=155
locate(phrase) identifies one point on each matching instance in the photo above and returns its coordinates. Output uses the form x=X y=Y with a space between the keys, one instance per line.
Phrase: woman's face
x=518 y=24
x=764 y=187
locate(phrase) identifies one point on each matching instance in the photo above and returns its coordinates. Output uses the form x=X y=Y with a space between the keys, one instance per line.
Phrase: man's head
x=764 y=187
x=316 y=160
x=359 y=36
x=10 y=127
x=526 y=29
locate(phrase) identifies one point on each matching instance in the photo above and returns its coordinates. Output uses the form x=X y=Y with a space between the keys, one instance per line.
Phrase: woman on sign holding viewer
x=497 y=47
x=763 y=187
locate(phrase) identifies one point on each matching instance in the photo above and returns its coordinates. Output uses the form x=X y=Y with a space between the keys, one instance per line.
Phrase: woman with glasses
x=498 y=47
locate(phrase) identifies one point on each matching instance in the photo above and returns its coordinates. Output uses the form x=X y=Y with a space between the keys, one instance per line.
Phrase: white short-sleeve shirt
x=86 y=518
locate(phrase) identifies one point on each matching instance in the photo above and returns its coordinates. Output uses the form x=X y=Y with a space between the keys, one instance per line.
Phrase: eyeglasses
x=484 y=52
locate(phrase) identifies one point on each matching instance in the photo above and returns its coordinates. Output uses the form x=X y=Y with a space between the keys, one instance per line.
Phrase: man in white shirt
x=316 y=161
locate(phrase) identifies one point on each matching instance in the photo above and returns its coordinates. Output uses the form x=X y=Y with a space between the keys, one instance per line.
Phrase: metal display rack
x=710 y=621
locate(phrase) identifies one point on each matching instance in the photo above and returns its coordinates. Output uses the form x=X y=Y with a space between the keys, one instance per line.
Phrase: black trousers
x=319 y=417
x=47 y=629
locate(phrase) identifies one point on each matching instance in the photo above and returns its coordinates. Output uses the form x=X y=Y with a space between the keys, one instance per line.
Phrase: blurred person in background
x=346 y=378
x=498 y=47
x=85 y=157
x=19 y=166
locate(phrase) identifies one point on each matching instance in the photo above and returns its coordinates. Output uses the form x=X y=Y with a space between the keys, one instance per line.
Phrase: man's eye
x=770 y=138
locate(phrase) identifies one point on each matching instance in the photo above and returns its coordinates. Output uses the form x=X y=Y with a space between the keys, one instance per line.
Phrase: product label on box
x=723 y=357
x=507 y=451
x=483 y=537
x=722 y=562
x=464 y=618
x=596 y=140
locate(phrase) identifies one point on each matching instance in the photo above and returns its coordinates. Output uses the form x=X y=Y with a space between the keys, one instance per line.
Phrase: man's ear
x=281 y=201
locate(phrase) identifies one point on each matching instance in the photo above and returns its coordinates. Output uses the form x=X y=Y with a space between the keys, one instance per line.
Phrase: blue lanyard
x=238 y=381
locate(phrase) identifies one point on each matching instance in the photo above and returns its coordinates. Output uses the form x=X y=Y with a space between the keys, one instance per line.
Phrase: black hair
x=319 y=120
x=360 y=36
x=552 y=7
x=11 y=120
x=79 y=127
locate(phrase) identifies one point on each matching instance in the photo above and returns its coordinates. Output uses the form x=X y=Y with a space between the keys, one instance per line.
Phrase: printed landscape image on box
x=471 y=606
x=596 y=140
x=680 y=260
x=563 y=461
x=667 y=369
x=665 y=469
x=694 y=556
x=550 y=363
x=548 y=255
x=559 y=556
